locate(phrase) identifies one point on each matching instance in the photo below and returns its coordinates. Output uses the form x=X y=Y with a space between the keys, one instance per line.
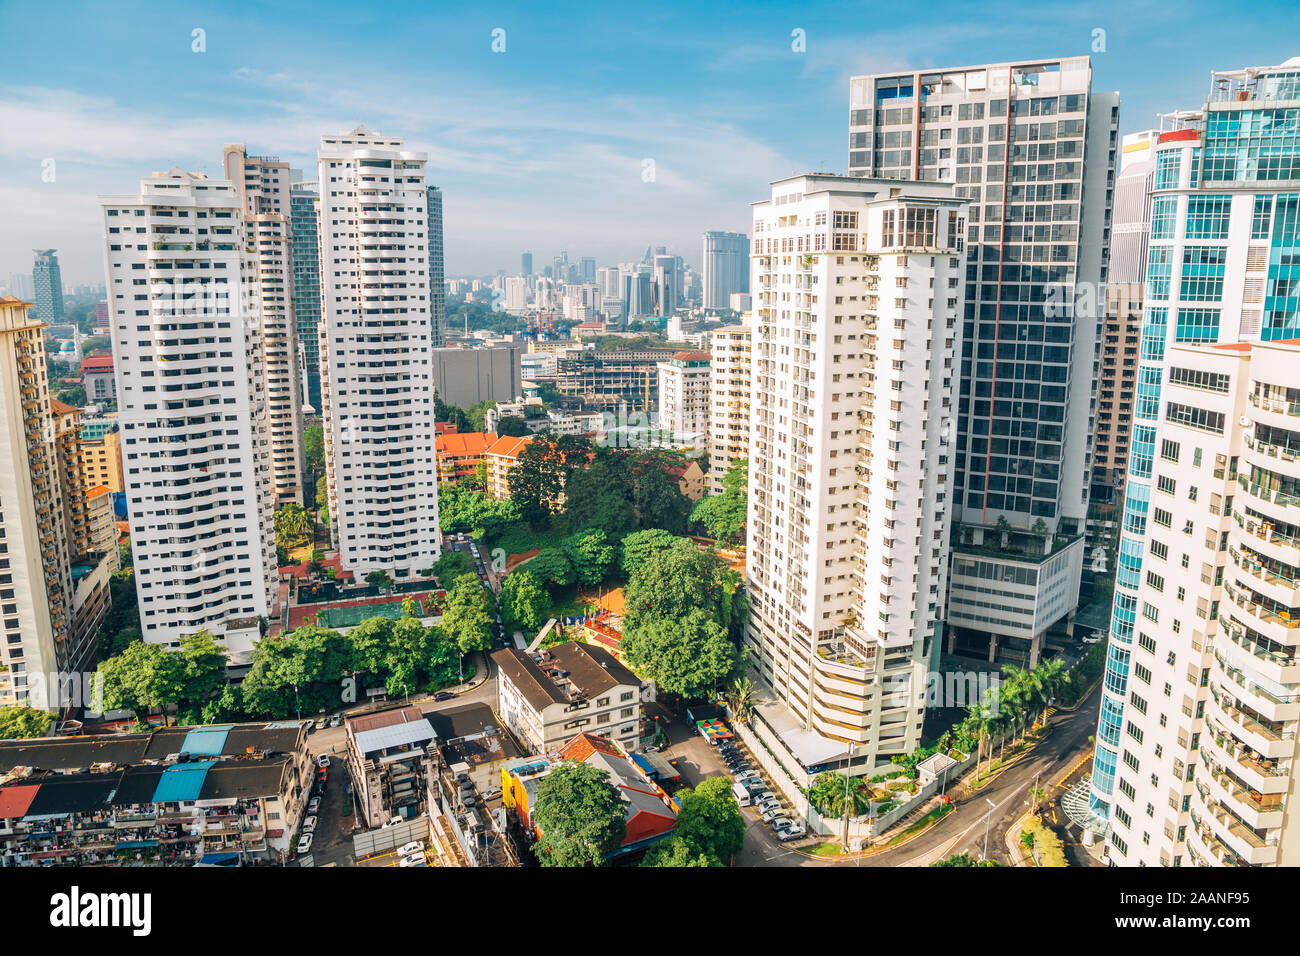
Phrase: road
x=963 y=829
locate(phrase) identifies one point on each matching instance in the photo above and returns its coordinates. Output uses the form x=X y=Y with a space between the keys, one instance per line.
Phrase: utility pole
x=844 y=842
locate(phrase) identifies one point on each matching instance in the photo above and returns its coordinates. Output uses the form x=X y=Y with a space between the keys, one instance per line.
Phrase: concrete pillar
x=993 y=648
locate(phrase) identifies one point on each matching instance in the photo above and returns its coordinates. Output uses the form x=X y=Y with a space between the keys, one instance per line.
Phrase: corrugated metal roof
x=395 y=735
x=206 y=741
x=182 y=782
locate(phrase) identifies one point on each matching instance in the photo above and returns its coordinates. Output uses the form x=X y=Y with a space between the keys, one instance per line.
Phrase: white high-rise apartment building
x=263 y=182
x=1200 y=708
x=684 y=394
x=729 y=384
x=1033 y=148
x=376 y=354
x=187 y=350
x=858 y=287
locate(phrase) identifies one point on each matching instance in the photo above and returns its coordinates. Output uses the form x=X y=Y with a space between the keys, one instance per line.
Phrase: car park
x=304 y=843
x=309 y=824
x=747 y=775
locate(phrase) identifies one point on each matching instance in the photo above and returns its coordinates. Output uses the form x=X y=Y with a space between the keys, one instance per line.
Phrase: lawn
x=519 y=538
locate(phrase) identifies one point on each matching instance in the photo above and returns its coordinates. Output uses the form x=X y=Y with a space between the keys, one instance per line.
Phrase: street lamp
x=987 y=819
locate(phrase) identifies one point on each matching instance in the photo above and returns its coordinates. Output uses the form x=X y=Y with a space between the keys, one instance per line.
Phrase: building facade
x=303 y=199
x=1195 y=741
x=192 y=405
x=47 y=286
x=1033 y=148
x=263 y=184
x=856 y=334
x=377 y=383
x=684 y=394
x=729 y=384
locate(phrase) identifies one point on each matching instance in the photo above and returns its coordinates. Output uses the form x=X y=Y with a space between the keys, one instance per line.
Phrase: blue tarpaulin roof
x=206 y=741
x=182 y=782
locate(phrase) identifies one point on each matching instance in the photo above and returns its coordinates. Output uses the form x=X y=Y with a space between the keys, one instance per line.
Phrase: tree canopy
x=723 y=515
x=690 y=655
x=581 y=816
x=524 y=602
x=18 y=722
x=467 y=619
x=710 y=828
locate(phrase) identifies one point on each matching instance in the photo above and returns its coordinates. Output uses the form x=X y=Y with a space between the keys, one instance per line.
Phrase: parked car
x=748 y=775
x=392 y=822
x=770 y=803
x=309 y=824
x=771 y=815
x=444 y=695
x=311 y=726
x=313 y=804
x=415 y=846
x=780 y=823
x=336 y=720
x=323 y=760
x=304 y=843
x=790 y=833
x=413 y=860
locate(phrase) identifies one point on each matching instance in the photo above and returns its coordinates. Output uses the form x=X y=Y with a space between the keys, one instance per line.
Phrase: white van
x=741 y=794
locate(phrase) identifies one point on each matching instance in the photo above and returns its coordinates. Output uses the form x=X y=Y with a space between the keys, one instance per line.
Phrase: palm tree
x=741 y=698
x=1053 y=677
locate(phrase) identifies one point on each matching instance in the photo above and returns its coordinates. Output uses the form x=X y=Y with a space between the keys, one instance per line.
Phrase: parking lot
x=696 y=759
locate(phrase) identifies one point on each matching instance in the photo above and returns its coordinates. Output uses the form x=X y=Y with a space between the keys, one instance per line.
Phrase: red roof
x=464 y=444
x=14 y=801
x=62 y=408
x=693 y=357
x=91 y=362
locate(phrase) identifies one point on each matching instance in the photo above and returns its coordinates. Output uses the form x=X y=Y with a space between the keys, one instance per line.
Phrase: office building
x=1033 y=148
x=47 y=287
x=377 y=380
x=729 y=384
x=726 y=268
x=526 y=264
x=192 y=407
x=303 y=200
x=263 y=185
x=1196 y=736
x=437 y=280
x=856 y=334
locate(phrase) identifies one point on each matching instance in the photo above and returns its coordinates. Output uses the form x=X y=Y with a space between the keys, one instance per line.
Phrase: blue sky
x=540 y=147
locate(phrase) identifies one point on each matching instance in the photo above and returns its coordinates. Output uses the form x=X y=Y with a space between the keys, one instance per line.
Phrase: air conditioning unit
x=1244 y=422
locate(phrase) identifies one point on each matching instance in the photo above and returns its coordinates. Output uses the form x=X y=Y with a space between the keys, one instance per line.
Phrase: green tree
x=675 y=852
x=963 y=859
x=203 y=667
x=17 y=722
x=524 y=602
x=538 y=479
x=581 y=816
x=710 y=822
x=687 y=654
x=450 y=566
x=467 y=619
x=638 y=546
x=552 y=567
x=378 y=579
x=293 y=527
x=600 y=497
x=142 y=677
x=590 y=554
x=313 y=445
x=462 y=509
x=671 y=583
x=477 y=414
x=297 y=672
x=513 y=426
x=723 y=515
x=829 y=790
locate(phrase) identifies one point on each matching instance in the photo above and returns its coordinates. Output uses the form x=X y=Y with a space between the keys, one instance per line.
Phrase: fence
x=386 y=839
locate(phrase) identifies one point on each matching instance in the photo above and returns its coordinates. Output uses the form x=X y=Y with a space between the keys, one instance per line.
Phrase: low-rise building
x=470 y=736
x=459 y=453
x=165 y=797
x=546 y=697
x=651 y=814
x=97 y=376
x=388 y=760
x=501 y=457
x=101 y=454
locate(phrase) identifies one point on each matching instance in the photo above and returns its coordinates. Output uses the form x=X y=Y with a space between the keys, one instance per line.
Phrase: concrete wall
x=464 y=377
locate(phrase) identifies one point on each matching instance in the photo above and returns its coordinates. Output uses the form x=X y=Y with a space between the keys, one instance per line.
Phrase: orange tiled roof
x=96 y=491
x=693 y=357
x=62 y=408
x=508 y=446
x=97 y=361
x=464 y=444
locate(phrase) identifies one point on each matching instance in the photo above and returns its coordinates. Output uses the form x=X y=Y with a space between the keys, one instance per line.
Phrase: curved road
x=963 y=829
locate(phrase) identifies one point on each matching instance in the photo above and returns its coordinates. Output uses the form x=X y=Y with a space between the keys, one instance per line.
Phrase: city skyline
x=557 y=151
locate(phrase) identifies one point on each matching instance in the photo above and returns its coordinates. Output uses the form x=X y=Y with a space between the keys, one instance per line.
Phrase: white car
x=309 y=824
x=770 y=815
x=770 y=804
x=336 y=720
x=313 y=804
x=304 y=843
x=415 y=846
x=392 y=822
x=413 y=861
x=323 y=760
x=792 y=832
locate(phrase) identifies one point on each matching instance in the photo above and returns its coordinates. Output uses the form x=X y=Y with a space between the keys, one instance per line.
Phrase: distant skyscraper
x=47 y=285
x=263 y=183
x=195 y=442
x=303 y=200
x=668 y=278
x=377 y=385
x=588 y=269
x=726 y=267
x=526 y=263
x=437 y=274
x=1033 y=147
